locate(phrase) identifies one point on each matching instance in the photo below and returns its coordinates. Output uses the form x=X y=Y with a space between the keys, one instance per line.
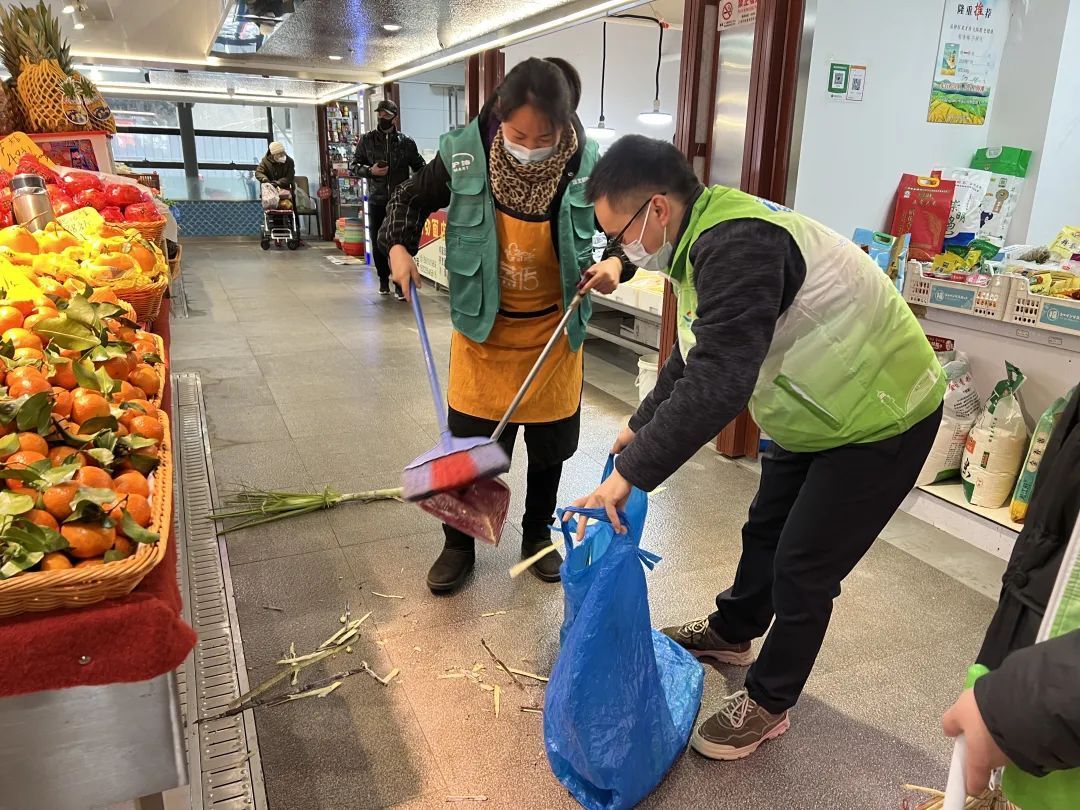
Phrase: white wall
x=425 y=107
x=1025 y=92
x=1055 y=194
x=631 y=71
x=853 y=153
x=305 y=137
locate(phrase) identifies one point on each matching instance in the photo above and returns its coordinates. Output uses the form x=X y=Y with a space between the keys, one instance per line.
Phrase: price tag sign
x=84 y=223
x=14 y=146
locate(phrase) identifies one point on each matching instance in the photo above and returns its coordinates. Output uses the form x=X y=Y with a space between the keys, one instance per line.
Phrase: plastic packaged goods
x=965 y=215
x=960 y=410
x=1008 y=166
x=996 y=445
x=922 y=210
x=889 y=252
x=1066 y=244
x=1025 y=484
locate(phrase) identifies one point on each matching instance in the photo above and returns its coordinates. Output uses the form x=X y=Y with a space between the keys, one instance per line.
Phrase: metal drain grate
x=223 y=755
x=177 y=292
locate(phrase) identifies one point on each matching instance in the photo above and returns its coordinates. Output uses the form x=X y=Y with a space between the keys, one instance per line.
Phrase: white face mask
x=635 y=251
x=523 y=155
x=281 y=158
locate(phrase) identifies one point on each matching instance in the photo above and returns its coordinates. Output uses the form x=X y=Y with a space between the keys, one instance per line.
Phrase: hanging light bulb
x=77 y=17
x=601 y=132
x=655 y=117
x=68 y=9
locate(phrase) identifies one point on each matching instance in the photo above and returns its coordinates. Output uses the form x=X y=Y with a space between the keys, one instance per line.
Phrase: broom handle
x=955 y=789
x=429 y=359
x=520 y=395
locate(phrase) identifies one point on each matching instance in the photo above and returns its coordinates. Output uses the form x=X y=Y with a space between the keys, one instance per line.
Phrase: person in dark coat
x=385 y=158
x=1026 y=710
x=277 y=167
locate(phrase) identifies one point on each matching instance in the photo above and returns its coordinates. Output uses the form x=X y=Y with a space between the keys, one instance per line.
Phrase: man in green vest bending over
x=781 y=314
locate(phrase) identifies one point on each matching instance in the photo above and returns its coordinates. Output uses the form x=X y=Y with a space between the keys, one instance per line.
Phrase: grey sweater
x=746 y=272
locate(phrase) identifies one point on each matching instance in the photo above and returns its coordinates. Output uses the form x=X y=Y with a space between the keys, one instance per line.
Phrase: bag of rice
x=958 y=415
x=995 y=446
x=1008 y=166
x=1026 y=483
x=965 y=216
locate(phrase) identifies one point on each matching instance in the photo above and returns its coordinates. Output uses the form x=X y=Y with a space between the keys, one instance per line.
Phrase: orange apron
x=484 y=377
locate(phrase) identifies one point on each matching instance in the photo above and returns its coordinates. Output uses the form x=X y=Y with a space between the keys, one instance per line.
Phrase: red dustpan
x=479 y=510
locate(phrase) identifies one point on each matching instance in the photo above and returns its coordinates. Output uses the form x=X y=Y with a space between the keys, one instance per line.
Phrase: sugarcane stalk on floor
x=255 y=507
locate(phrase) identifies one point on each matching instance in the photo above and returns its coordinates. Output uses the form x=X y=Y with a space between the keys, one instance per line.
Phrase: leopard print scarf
x=528 y=188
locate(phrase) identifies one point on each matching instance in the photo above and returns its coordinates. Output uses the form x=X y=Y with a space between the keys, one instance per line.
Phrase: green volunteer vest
x=1058 y=790
x=848 y=362
x=472 y=247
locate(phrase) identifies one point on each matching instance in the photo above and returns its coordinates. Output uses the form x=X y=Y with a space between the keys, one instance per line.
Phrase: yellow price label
x=14 y=146
x=84 y=223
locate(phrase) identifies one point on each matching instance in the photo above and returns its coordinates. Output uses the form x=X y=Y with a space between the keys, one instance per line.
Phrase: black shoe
x=384 y=288
x=399 y=295
x=451 y=569
x=546 y=569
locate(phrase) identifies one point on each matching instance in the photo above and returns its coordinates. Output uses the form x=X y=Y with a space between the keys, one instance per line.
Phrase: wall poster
x=968 y=55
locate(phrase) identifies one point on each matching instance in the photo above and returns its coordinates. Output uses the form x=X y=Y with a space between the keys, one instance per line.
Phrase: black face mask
x=385 y=124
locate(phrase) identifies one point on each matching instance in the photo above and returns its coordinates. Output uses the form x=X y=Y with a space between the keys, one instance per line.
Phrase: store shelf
x=953 y=492
x=619 y=340
x=619 y=306
x=944 y=506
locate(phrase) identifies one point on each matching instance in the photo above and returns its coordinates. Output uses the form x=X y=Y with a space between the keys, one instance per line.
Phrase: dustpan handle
x=429 y=360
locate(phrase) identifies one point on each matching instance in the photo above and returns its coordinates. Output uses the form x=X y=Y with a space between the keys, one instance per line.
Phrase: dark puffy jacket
x=1030 y=700
x=397 y=151
x=270 y=171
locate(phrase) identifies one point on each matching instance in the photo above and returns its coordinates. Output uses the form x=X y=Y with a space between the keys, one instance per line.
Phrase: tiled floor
x=312 y=379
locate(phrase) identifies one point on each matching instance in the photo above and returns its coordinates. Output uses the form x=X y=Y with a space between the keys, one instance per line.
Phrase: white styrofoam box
x=1043 y=311
x=642 y=332
x=985 y=301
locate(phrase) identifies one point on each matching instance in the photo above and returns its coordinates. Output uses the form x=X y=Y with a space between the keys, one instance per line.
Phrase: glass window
x=144 y=112
x=229 y=117
x=217 y=149
x=130 y=146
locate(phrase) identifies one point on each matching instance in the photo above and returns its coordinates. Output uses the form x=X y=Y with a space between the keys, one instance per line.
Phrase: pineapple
x=40 y=63
x=74 y=110
x=96 y=106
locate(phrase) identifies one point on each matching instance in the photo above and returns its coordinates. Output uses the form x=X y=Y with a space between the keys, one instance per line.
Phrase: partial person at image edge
x=519 y=248
x=781 y=314
x=385 y=157
x=1026 y=710
x=276 y=167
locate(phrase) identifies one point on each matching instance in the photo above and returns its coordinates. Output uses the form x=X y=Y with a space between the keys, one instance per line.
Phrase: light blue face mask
x=635 y=251
x=523 y=155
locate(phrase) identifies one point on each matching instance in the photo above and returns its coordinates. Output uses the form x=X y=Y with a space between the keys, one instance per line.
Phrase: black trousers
x=376 y=216
x=814 y=517
x=548 y=446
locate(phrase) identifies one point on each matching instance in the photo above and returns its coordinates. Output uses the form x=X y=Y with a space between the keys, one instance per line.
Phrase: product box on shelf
x=989 y=300
x=1042 y=311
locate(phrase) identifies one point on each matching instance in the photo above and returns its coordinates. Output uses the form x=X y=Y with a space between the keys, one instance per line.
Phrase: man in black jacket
x=1026 y=710
x=385 y=158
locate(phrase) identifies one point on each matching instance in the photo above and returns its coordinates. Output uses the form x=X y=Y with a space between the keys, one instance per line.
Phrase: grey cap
x=27 y=181
x=386 y=105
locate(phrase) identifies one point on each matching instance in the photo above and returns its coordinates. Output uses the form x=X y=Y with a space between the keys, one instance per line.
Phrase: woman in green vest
x=519 y=237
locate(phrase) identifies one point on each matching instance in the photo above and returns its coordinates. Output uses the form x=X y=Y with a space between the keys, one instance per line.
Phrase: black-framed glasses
x=615 y=241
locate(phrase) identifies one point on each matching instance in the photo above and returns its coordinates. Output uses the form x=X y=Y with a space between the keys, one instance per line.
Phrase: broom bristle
x=453 y=471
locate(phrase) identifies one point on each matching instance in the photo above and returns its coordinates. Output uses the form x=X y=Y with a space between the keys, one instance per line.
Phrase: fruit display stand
x=105 y=675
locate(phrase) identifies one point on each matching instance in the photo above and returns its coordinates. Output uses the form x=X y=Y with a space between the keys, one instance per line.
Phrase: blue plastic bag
x=623 y=697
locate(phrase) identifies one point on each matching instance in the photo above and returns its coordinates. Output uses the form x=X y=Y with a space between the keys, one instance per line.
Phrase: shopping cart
x=280 y=224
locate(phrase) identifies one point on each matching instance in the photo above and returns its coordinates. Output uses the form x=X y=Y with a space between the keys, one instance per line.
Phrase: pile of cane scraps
x=477 y=674
x=293 y=665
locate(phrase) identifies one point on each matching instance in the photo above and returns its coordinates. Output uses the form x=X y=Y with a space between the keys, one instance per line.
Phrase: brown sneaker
x=737 y=729
x=700 y=639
